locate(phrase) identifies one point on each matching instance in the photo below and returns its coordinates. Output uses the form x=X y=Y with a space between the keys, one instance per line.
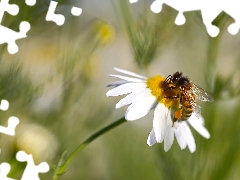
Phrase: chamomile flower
x=145 y=94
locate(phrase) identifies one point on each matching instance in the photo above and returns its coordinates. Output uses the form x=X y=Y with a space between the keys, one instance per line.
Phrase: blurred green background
x=56 y=86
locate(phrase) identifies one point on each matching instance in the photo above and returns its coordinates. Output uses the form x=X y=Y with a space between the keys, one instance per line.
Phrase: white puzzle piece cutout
x=7 y=35
x=76 y=11
x=4 y=170
x=30 y=2
x=31 y=171
x=10 y=129
x=59 y=19
x=12 y=9
x=133 y=1
x=51 y=16
x=4 y=105
x=210 y=9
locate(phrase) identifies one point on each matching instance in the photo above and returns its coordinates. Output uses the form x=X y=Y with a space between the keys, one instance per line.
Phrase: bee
x=188 y=93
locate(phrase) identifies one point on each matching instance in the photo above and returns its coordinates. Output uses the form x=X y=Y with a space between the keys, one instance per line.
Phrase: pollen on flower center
x=165 y=97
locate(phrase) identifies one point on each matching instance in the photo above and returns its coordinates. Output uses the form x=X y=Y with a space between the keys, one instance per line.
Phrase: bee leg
x=165 y=82
x=170 y=88
x=172 y=97
x=174 y=120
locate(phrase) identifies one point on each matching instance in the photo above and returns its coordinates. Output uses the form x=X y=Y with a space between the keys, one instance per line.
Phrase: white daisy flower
x=145 y=94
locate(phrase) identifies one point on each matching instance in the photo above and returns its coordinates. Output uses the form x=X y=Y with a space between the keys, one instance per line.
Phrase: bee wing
x=201 y=94
x=196 y=110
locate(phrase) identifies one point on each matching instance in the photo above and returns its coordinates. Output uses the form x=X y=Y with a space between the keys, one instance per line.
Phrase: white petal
x=198 y=118
x=117 y=83
x=140 y=108
x=160 y=121
x=129 y=73
x=181 y=135
x=168 y=140
x=125 y=89
x=169 y=136
x=127 y=78
x=197 y=124
x=151 y=138
x=133 y=97
x=190 y=139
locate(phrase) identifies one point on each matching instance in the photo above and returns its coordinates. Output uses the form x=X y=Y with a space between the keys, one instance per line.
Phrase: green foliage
x=147 y=32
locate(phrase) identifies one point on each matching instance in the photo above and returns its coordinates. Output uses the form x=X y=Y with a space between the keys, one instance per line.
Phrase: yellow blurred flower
x=105 y=32
x=36 y=140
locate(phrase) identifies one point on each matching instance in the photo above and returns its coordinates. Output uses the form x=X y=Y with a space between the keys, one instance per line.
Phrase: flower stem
x=61 y=169
x=213 y=47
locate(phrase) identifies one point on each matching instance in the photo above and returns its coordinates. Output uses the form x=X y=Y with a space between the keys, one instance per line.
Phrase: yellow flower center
x=167 y=97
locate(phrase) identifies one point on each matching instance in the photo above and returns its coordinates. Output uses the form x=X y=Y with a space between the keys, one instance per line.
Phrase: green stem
x=211 y=60
x=60 y=169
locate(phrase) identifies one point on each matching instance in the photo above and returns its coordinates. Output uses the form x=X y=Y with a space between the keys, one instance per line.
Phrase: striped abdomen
x=186 y=112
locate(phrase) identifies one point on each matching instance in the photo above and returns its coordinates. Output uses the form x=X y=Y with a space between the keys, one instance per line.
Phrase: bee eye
x=174 y=79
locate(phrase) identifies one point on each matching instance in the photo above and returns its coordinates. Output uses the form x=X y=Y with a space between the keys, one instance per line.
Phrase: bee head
x=175 y=77
x=183 y=82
